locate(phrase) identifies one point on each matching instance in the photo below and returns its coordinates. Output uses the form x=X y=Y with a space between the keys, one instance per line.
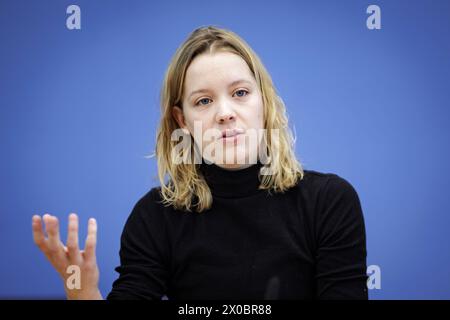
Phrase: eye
x=203 y=99
x=241 y=91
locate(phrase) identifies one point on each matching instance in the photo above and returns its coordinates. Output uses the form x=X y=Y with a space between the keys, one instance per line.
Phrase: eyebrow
x=230 y=85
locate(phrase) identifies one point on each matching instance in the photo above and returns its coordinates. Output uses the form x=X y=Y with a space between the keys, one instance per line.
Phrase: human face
x=221 y=94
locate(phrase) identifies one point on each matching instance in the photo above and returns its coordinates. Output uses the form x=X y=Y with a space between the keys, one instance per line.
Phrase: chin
x=233 y=166
x=231 y=156
x=239 y=160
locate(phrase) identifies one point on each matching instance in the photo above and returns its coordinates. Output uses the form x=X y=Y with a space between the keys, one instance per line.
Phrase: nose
x=225 y=114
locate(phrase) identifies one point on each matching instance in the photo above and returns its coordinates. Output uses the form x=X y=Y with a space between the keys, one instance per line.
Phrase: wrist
x=75 y=294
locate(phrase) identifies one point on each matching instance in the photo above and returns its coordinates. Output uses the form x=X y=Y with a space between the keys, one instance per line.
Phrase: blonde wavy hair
x=186 y=188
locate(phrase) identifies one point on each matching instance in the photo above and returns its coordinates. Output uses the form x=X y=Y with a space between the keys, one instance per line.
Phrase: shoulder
x=148 y=207
x=337 y=212
x=330 y=194
x=326 y=183
x=150 y=199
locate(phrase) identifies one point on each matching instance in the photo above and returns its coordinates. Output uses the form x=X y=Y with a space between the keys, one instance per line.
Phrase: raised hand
x=66 y=259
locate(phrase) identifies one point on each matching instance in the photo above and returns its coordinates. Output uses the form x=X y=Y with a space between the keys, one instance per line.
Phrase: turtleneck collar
x=231 y=183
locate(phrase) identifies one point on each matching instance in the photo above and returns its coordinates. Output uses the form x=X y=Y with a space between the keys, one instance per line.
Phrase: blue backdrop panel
x=79 y=111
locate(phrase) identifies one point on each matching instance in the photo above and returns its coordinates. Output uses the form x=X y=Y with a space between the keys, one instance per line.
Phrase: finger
x=91 y=240
x=55 y=252
x=38 y=233
x=72 y=238
x=52 y=229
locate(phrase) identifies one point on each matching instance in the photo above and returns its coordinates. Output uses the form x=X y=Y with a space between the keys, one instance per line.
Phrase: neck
x=231 y=183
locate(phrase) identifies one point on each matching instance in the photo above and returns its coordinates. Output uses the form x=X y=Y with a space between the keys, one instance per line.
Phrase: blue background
x=79 y=111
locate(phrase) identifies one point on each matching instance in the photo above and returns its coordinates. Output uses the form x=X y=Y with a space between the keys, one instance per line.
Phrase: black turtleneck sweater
x=306 y=243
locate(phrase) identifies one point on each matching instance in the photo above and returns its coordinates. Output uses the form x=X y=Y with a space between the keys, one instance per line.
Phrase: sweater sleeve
x=143 y=270
x=341 y=243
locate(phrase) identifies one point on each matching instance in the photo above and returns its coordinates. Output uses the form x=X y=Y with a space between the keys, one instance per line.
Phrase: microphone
x=273 y=289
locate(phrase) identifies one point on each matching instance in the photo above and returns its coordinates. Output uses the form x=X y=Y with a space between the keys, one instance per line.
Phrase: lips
x=231 y=132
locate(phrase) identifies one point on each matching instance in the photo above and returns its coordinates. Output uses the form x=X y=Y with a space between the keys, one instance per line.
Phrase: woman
x=238 y=217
